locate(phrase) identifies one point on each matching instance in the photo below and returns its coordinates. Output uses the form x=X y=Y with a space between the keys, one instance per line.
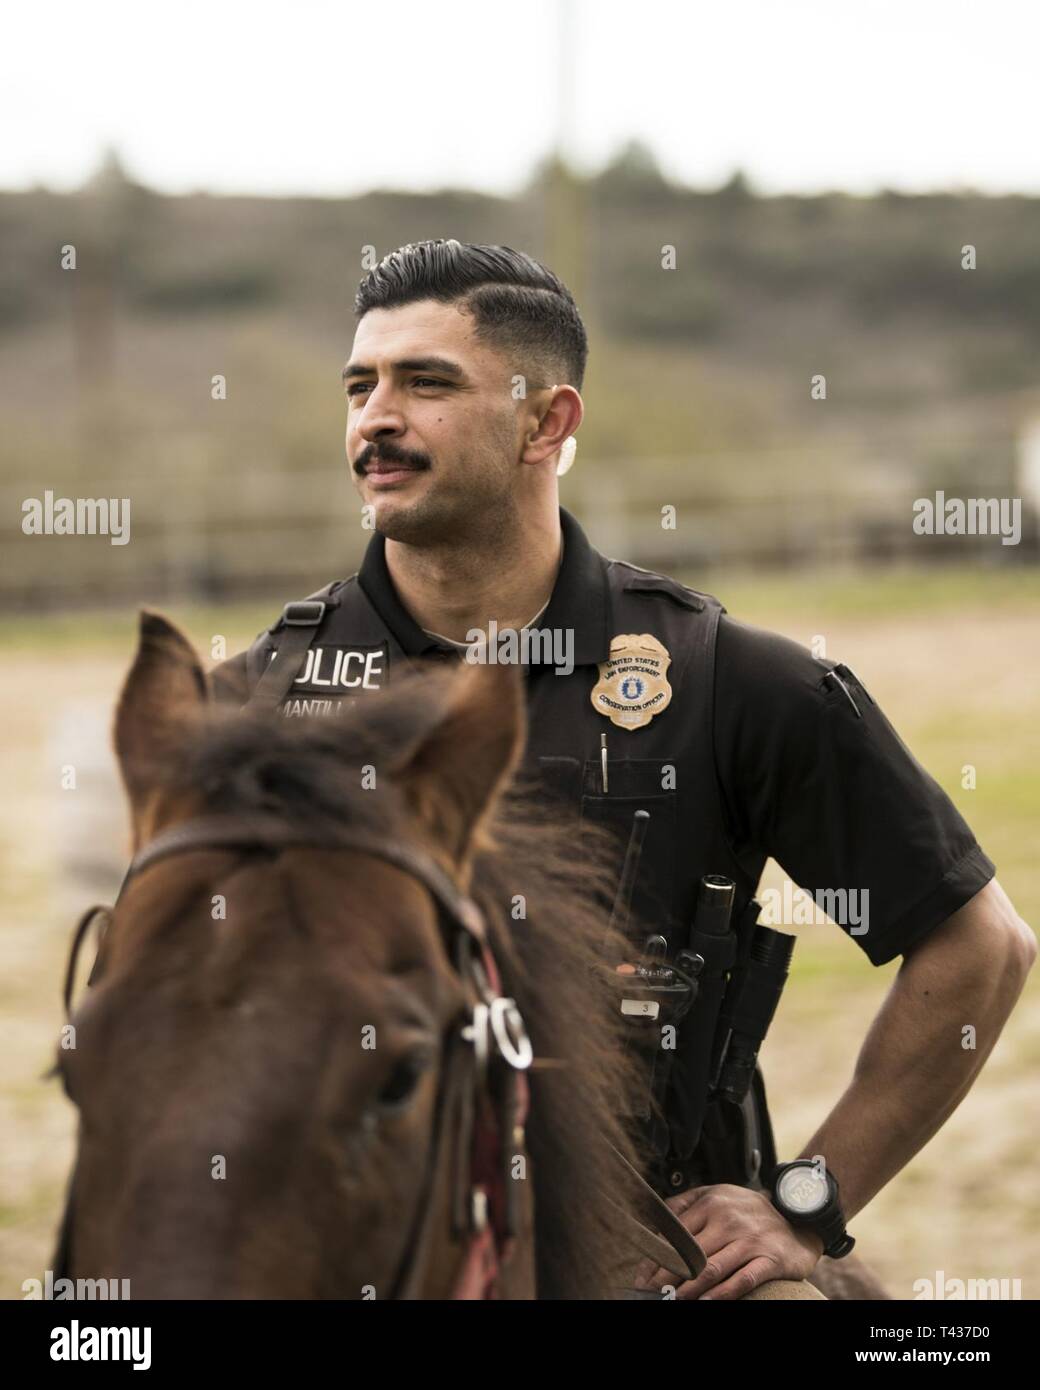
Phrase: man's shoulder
x=745 y=653
x=755 y=662
x=332 y=595
x=765 y=679
x=624 y=577
x=232 y=680
x=749 y=651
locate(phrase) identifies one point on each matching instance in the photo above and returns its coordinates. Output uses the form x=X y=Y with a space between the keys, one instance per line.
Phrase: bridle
x=482 y=1101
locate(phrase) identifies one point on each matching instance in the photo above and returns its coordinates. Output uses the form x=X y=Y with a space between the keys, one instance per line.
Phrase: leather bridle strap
x=678 y=1252
x=268 y=833
x=417 y=1248
x=78 y=935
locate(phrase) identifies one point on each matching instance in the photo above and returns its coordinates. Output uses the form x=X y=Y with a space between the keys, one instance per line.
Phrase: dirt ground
x=968 y=1204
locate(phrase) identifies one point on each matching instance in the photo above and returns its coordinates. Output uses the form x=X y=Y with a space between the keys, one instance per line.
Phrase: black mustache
x=384 y=453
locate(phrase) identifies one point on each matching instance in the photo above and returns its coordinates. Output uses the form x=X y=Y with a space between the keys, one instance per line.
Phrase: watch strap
x=829 y=1225
x=836 y=1240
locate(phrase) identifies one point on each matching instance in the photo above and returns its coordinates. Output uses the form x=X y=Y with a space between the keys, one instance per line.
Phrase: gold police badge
x=633 y=681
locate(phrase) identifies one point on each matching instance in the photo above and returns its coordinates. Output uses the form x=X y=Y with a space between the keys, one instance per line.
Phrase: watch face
x=803 y=1190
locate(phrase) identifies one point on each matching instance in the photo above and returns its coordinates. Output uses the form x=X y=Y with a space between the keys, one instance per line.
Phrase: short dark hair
x=518 y=304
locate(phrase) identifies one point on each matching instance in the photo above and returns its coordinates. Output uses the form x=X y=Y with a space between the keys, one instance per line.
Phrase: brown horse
x=261 y=1060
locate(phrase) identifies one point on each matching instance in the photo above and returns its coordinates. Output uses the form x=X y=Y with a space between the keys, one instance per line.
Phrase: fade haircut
x=519 y=306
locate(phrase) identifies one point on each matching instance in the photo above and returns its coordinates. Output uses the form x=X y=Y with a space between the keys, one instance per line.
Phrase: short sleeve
x=812 y=773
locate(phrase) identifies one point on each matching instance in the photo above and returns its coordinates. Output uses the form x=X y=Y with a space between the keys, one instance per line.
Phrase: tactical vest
x=337 y=649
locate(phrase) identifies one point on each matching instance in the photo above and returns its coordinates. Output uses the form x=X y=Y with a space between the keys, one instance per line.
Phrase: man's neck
x=457 y=588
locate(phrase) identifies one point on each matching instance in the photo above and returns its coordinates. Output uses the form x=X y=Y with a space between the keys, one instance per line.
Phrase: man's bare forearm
x=918 y=1062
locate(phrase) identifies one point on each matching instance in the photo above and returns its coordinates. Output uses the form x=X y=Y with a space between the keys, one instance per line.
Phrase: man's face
x=433 y=433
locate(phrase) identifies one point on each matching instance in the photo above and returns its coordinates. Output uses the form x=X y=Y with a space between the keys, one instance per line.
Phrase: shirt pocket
x=636 y=784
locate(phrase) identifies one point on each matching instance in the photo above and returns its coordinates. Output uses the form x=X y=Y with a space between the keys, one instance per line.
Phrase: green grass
x=111 y=630
x=848 y=594
x=885 y=593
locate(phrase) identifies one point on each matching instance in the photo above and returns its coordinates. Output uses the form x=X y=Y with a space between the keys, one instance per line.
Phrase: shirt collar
x=580 y=598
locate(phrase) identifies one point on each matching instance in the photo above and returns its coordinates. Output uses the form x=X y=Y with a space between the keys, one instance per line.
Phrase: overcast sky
x=329 y=98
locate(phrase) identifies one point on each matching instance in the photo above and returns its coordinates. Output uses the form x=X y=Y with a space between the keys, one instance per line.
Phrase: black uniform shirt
x=761 y=749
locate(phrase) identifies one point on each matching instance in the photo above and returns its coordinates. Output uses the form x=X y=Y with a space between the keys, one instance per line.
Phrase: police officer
x=462 y=400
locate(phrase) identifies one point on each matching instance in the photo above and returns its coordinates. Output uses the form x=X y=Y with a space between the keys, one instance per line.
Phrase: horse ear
x=162 y=697
x=454 y=775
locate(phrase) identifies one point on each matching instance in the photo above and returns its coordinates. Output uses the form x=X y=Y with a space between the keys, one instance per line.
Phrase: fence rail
x=222 y=536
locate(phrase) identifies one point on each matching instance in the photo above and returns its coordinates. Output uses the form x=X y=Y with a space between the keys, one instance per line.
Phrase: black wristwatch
x=807 y=1195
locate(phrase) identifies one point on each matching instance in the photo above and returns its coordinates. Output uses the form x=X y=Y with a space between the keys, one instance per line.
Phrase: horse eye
x=400 y=1085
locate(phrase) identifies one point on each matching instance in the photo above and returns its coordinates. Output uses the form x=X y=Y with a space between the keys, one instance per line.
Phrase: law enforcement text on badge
x=530 y=646
x=633 y=681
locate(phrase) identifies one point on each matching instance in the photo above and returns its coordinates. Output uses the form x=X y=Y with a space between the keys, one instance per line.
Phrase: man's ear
x=163 y=696
x=454 y=776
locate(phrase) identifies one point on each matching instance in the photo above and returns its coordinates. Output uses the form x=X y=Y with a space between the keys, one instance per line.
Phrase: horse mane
x=550 y=958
